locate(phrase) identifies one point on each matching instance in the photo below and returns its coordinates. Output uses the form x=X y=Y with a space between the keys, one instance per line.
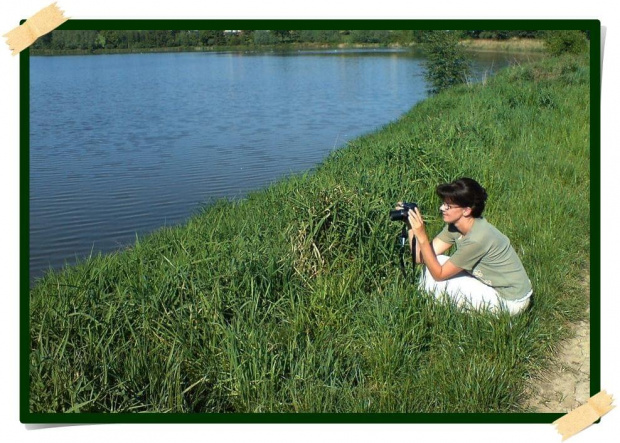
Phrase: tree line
x=92 y=40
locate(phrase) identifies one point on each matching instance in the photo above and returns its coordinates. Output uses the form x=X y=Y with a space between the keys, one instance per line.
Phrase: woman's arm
x=439 y=246
x=427 y=252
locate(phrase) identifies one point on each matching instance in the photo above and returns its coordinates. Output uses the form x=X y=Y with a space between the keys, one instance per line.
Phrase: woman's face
x=451 y=212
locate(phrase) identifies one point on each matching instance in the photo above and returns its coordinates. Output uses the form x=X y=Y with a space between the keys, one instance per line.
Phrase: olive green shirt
x=487 y=255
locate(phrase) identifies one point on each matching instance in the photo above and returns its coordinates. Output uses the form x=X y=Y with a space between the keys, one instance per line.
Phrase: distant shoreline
x=478 y=45
x=222 y=48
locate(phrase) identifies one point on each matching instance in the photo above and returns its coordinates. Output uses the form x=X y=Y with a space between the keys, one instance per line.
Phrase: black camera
x=402 y=214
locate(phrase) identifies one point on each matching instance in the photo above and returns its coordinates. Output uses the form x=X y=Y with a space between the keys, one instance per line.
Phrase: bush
x=447 y=64
x=562 y=42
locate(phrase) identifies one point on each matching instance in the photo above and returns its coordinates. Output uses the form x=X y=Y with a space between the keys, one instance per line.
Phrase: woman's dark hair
x=465 y=192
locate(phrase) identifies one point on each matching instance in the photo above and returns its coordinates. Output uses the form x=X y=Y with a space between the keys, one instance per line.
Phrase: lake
x=121 y=145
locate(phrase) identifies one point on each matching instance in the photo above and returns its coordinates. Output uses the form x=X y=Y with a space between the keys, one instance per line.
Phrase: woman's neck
x=464 y=224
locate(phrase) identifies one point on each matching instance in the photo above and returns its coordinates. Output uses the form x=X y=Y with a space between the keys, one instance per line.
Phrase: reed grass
x=292 y=300
x=510 y=45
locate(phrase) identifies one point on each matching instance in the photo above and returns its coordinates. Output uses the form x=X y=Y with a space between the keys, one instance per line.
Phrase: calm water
x=123 y=144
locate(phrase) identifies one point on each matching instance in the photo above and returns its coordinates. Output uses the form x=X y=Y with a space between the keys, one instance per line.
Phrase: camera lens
x=398 y=215
x=402 y=214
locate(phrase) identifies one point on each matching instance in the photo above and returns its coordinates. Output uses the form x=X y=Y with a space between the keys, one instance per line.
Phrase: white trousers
x=470 y=293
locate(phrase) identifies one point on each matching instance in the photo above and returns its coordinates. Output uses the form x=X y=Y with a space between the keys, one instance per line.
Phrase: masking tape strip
x=586 y=414
x=44 y=21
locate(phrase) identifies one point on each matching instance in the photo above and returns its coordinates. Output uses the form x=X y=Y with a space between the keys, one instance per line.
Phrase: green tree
x=248 y=36
x=281 y=34
x=406 y=36
x=263 y=37
x=447 y=64
x=212 y=37
x=319 y=36
x=110 y=38
x=570 y=41
x=43 y=42
x=369 y=36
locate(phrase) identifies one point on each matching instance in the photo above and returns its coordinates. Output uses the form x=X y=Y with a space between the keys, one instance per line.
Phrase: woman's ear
x=467 y=211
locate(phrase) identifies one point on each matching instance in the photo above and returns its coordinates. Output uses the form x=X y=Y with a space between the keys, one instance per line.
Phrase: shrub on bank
x=566 y=42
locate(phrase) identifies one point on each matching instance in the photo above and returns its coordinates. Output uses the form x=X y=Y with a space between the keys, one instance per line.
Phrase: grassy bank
x=293 y=301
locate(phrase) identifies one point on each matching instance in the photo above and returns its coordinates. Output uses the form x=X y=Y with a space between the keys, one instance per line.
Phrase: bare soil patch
x=566 y=385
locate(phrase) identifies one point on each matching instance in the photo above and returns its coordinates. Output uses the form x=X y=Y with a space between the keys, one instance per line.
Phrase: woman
x=484 y=271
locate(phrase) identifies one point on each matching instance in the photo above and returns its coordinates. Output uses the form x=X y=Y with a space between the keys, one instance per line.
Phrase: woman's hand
x=417 y=224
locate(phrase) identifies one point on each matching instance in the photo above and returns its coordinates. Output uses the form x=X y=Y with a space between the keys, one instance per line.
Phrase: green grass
x=292 y=299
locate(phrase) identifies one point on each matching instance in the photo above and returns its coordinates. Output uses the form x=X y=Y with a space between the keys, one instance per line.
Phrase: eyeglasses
x=446 y=207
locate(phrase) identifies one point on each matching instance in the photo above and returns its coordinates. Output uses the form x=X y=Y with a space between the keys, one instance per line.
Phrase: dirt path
x=567 y=385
